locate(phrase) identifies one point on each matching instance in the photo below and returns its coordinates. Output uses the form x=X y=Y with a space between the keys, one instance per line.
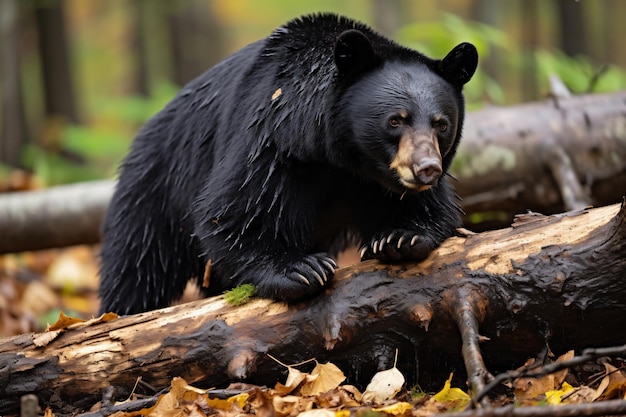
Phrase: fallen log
x=479 y=304
x=550 y=156
x=560 y=154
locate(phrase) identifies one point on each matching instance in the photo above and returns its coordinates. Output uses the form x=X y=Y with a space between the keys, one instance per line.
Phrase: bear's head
x=402 y=111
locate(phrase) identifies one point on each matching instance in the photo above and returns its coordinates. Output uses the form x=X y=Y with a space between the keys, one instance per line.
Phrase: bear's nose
x=427 y=171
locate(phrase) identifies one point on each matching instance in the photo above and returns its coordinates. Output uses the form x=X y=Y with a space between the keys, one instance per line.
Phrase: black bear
x=322 y=135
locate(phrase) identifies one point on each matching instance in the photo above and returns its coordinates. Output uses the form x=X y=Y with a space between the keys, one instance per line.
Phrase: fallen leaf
x=64 y=322
x=291 y=404
x=582 y=394
x=320 y=412
x=383 y=386
x=554 y=397
x=527 y=390
x=616 y=386
x=294 y=379
x=396 y=409
x=452 y=397
x=328 y=377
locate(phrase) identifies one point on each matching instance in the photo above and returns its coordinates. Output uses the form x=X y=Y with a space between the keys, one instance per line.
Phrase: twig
x=587 y=356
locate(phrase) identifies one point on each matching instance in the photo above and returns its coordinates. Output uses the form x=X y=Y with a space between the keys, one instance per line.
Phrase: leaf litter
x=319 y=393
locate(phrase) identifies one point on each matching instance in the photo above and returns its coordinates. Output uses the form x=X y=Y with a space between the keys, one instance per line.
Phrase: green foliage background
x=103 y=61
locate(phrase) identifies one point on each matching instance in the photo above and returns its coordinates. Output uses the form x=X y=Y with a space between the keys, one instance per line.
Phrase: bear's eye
x=442 y=126
x=395 y=122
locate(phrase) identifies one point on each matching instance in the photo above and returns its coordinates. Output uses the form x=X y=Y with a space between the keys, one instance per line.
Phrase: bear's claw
x=397 y=245
x=316 y=269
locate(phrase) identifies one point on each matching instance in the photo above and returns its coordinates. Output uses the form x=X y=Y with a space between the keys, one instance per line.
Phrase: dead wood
x=548 y=157
x=59 y=216
x=482 y=303
x=561 y=154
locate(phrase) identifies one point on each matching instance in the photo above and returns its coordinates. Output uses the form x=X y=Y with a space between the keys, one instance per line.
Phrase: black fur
x=275 y=159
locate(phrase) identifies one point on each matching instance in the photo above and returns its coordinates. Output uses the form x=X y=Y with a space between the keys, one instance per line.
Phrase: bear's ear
x=459 y=65
x=354 y=53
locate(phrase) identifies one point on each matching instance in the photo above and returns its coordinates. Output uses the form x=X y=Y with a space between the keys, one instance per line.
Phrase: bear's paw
x=314 y=270
x=397 y=245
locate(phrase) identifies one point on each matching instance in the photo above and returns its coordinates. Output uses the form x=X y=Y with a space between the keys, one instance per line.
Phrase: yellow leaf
x=554 y=397
x=396 y=409
x=239 y=399
x=342 y=413
x=328 y=377
x=220 y=404
x=451 y=396
x=383 y=386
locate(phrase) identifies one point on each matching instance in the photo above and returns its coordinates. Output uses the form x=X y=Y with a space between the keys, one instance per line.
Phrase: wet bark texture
x=480 y=304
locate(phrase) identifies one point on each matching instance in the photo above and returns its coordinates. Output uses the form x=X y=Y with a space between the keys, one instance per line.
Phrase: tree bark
x=545 y=283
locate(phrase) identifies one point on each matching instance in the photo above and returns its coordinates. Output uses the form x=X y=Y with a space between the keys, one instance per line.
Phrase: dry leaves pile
x=320 y=393
x=609 y=383
x=35 y=285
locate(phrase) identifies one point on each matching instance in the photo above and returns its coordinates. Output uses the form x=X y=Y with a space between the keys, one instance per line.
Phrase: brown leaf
x=64 y=322
x=616 y=384
x=294 y=379
x=328 y=377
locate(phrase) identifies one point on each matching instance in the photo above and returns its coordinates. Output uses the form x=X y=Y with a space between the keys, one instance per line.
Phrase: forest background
x=79 y=77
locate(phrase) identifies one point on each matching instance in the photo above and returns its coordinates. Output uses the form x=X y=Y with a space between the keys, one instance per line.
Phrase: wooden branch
x=494 y=298
x=548 y=157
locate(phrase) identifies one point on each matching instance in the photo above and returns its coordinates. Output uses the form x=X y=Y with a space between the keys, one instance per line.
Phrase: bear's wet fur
x=323 y=135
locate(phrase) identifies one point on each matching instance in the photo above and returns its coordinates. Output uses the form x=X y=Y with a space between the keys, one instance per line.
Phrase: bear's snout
x=427 y=171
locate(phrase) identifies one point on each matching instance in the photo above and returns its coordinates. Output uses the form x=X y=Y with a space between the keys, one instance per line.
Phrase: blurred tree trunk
x=530 y=40
x=55 y=62
x=139 y=33
x=13 y=136
x=196 y=40
x=571 y=27
x=492 y=14
x=387 y=16
x=613 y=14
